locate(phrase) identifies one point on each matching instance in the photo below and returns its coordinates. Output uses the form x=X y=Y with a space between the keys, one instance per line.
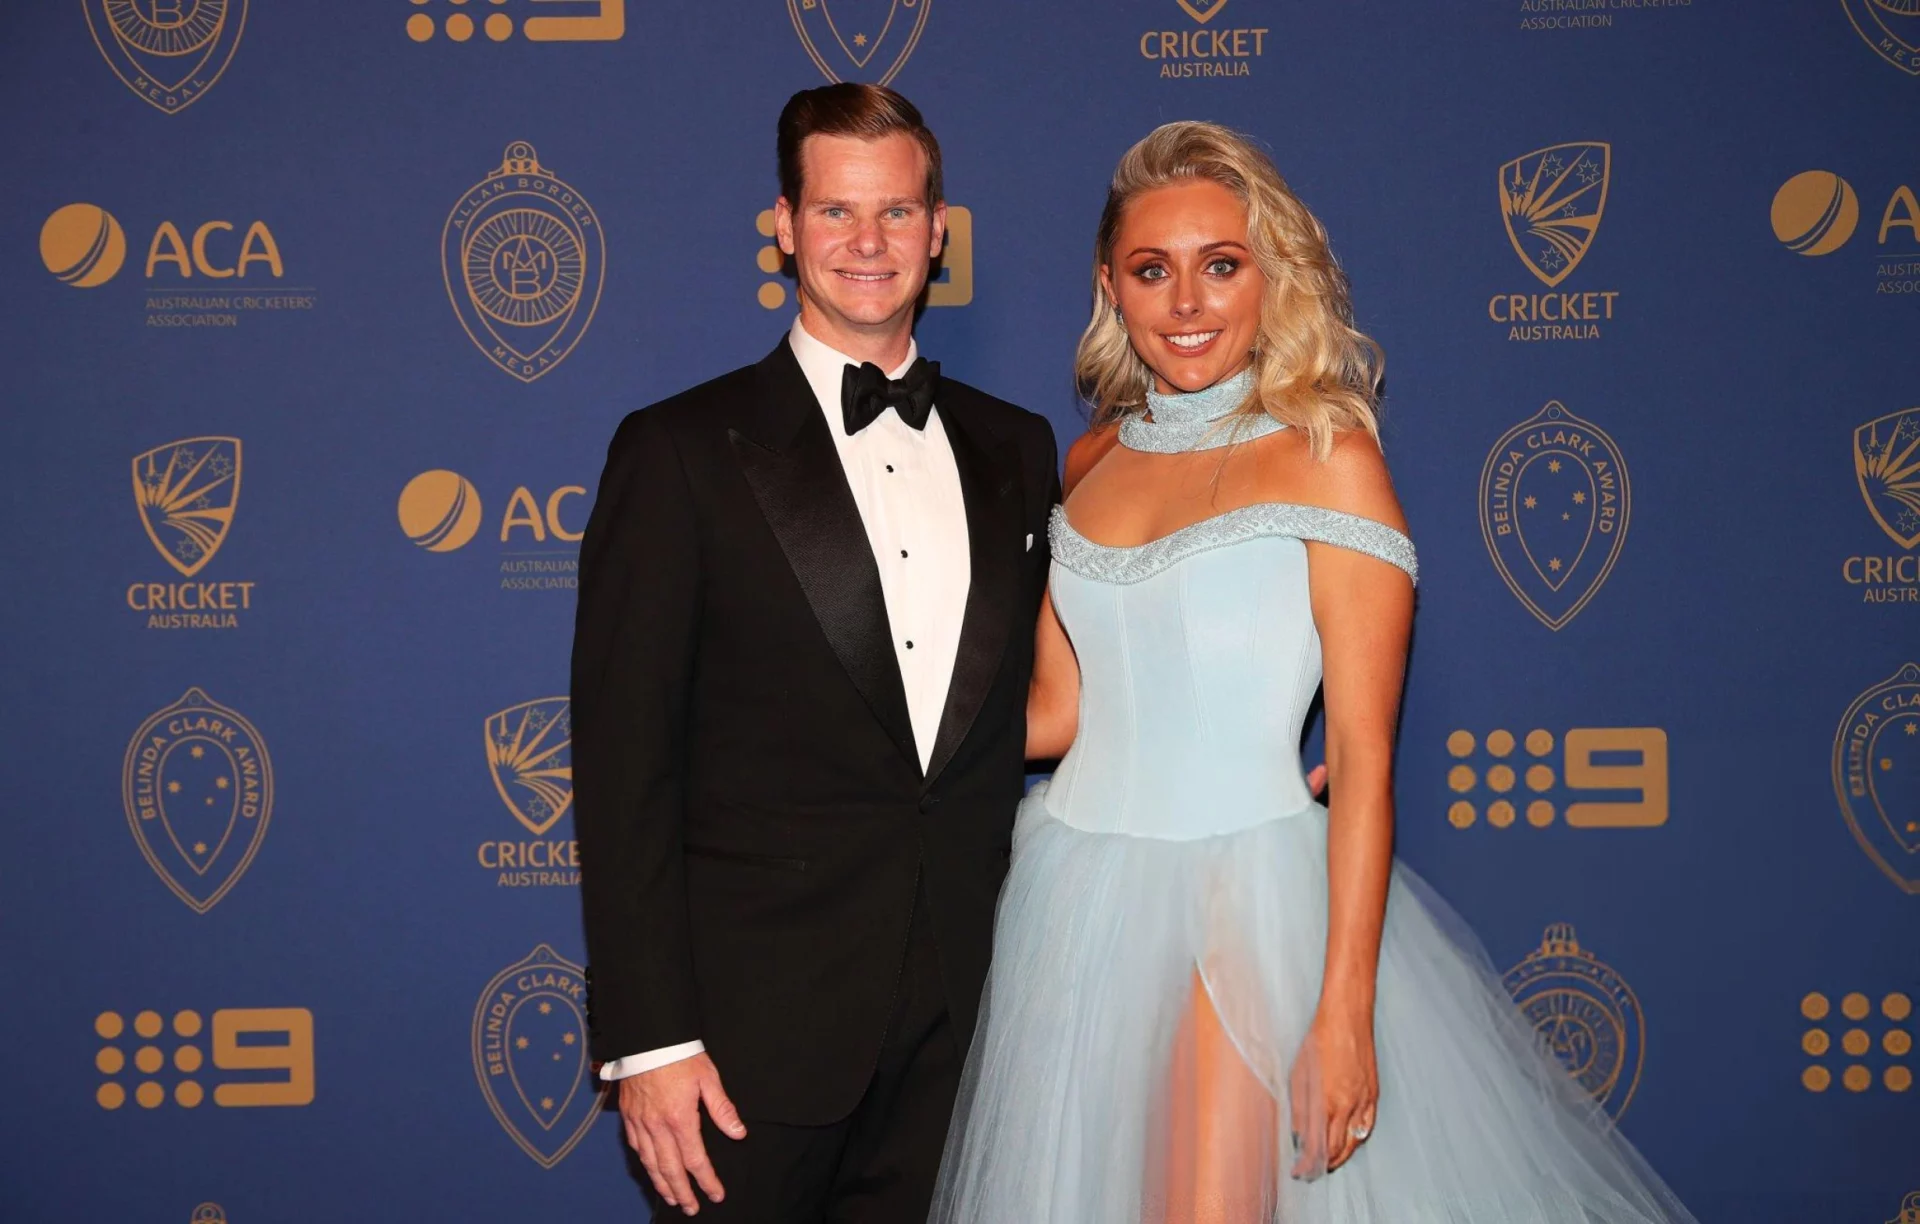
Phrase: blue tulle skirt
x=1093 y=1095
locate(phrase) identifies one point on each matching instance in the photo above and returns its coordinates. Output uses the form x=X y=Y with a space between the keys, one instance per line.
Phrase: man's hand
x=661 y=1110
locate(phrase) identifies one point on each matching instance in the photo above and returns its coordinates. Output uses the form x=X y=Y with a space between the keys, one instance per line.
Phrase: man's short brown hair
x=866 y=112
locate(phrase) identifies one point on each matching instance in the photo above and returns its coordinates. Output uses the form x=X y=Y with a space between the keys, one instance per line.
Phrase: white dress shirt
x=907 y=488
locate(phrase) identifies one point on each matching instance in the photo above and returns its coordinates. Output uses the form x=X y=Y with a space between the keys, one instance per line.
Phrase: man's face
x=861 y=235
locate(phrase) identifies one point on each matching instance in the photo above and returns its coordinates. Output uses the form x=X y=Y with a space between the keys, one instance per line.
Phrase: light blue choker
x=1196 y=420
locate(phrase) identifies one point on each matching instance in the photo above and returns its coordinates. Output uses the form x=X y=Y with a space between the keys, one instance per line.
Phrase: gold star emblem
x=566 y=1038
x=546 y=1008
x=1564 y=516
x=173 y=788
x=199 y=847
x=220 y=783
x=196 y=752
x=1530 y=502
x=546 y=1102
x=1553 y=465
x=1579 y=497
x=520 y=1043
x=1913 y=728
x=859 y=40
x=1554 y=565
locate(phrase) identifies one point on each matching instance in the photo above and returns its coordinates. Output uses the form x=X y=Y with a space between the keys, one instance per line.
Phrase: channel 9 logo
x=1871 y=1039
x=1492 y=780
x=269 y=1048
x=606 y=22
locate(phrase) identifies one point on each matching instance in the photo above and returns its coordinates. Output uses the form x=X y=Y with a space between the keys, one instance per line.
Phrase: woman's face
x=1186 y=284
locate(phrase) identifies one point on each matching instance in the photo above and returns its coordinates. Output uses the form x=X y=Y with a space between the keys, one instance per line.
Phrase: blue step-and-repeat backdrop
x=321 y=316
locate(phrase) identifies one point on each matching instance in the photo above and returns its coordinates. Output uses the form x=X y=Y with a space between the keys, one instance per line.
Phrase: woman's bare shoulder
x=1087 y=450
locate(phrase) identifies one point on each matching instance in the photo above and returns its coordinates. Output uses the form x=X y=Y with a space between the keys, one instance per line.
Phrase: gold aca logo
x=1876 y=774
x=1586 y=1013
x=530 y=755
x=168 y=52
x=1487 y=771
x=524 y=260
x=441 y=512
x=197 y=786
x=292 y=1055
x=607 y=23
x=1816 y=212
x=1551 y=202
x=950 y=285
x=1891 y=28
x=1202 y=50
x=859 y=40
x=530 y=1054
x=1860 y=1051
x=83 y=245
x=1554 y=504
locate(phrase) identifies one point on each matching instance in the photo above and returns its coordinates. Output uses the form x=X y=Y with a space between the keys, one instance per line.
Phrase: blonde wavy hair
x=1312 y=369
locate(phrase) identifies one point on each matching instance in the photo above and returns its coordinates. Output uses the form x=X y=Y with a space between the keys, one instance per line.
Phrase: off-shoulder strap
x=1108 y=563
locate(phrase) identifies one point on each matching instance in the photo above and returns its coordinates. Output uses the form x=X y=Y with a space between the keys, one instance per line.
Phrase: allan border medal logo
x=1585 y=1013
x=198 y=789
x=530 y=1054
x=524 y=260
x=1890 y=27
x=1886 y=461
x=859 y=40
x=1554 y=504
x=1876 y=774
x=168 y=54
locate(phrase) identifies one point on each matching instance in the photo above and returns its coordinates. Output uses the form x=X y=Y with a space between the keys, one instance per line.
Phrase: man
x=807 y=598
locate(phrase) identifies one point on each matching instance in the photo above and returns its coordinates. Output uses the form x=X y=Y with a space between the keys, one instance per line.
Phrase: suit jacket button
x=926 y=804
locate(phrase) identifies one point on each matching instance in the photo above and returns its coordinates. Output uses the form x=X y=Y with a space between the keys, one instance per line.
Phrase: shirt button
x=903 y=552
x=889 y=467
x=909 y=645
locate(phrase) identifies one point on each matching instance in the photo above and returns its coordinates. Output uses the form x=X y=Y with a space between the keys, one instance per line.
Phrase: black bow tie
x=866 y=392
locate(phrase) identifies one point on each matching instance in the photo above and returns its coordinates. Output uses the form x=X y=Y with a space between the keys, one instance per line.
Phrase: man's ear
x=783 y=224
x=939 y=230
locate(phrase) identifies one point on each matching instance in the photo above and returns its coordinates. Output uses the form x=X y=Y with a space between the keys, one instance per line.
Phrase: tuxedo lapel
x=989 y=482
x=790 y=462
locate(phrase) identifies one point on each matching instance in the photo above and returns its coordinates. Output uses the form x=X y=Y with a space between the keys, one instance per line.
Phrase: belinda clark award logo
x=859 y=40
x=530 y=1054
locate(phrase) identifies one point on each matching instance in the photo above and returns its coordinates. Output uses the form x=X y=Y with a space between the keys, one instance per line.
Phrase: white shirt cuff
x=634 y=1064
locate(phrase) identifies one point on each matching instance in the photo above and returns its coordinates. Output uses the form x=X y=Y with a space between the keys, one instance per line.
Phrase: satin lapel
x=797 y=480
x=989 y=482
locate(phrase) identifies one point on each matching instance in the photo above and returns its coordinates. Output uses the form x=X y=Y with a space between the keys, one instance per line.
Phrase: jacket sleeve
x=633 y=665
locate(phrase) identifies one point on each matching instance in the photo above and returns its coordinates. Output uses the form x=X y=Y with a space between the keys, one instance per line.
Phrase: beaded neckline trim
x=1125 y=565
x=1196 y=420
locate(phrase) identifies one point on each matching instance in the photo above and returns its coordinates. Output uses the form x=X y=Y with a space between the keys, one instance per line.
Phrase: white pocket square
x=1029 y=541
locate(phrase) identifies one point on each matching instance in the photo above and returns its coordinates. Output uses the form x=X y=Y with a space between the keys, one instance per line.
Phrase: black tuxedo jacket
x=752 y=816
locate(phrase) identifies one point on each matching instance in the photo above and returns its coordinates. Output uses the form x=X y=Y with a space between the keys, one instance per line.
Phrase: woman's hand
x=1334 y=1090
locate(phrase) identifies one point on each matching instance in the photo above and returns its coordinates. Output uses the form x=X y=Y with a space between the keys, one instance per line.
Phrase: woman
x=1213 y=999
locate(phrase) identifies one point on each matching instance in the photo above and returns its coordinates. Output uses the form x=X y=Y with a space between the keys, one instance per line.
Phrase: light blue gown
x=1178 y=837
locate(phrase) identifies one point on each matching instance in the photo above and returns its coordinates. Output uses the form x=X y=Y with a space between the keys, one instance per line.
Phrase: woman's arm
x=1363 y=609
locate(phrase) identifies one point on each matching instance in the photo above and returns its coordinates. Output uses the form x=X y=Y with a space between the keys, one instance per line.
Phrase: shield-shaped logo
x=1551 y=201
x=530 y=753
x=198 y=791
x=524 y=260
x=1203 y=12
x=168 y=53
x=1886 y=462
x=1587 y=1015
x=1876 y=774
x=1890 y=27
x=1554 y=504
x=860 y=40
x=530 y=1054
x=185 y=492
